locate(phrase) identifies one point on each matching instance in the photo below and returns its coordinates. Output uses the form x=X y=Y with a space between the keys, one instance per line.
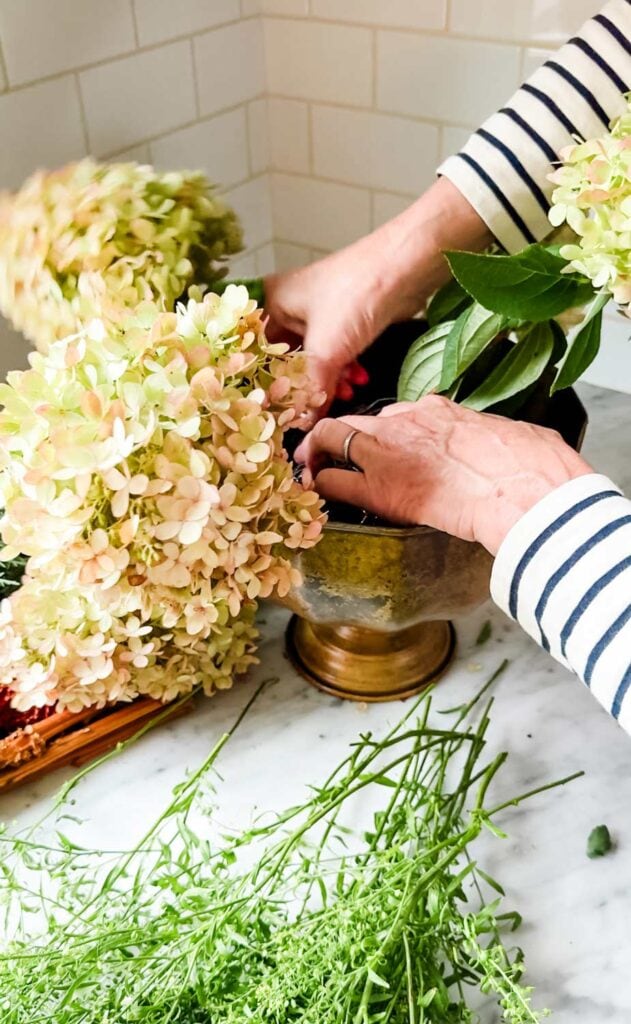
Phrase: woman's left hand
x=433 y=462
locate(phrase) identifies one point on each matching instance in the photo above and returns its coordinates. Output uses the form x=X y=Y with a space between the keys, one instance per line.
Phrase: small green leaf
x=422 y=366
x=599 y=842
x=582 y=346
x=520 y=368
x=490 y=881
x=427 y=998
x=472 y=332
x=376 y=980
x=446 y=303
x=529 y=285
x=484 y=635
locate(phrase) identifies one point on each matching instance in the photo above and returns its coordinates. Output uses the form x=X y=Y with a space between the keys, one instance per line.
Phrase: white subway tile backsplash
x=521 y=20
x=443 y=78
x=318 y=213
x=265 y=260
x=393 y=14
x=453 y=140
x=158 y=20
x=45 y=37
x=288 y=256
x=252 y=201
x=258 y=129
x=40 y=127
x=230 y=65
x=140 y=154
x=386 y=206
x=293 y=8
x=218 y=146
x=251 y=7
x=310 y=60
x=134 y=98
x=289 y=135
x=532 y=59
x=244 y=265
x=375 y=150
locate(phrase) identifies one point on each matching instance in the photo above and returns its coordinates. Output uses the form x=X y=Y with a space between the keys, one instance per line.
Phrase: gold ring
x=346 y=450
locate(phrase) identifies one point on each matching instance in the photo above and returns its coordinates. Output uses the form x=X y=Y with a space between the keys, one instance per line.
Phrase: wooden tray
x=66 y=738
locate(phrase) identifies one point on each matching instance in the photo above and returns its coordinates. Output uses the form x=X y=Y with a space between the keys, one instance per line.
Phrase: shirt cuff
x=485 y=203
x=519 y=573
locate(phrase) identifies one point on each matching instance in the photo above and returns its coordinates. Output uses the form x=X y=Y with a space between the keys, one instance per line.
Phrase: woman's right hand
x=337 y=306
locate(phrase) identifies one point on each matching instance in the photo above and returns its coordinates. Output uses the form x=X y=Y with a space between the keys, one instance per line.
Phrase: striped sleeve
x=564 y=573
x=503 y=169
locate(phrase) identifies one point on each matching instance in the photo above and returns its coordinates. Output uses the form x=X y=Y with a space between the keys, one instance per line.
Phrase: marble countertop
x=577 y=912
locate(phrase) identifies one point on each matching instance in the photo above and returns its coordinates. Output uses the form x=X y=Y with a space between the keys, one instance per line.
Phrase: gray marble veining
x=577 y=912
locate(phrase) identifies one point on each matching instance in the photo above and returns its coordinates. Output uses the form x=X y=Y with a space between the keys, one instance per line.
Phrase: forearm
x=409 y=264
x=564 y=573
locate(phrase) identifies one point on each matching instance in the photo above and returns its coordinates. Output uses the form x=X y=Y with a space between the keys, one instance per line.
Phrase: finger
x=357 y=375
x=342 y=485
x=328 y=438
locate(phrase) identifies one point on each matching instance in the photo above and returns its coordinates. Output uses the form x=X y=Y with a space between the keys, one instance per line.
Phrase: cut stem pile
x=299 y=919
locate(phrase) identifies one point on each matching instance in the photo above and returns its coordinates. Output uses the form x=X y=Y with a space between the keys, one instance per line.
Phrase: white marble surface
x=577 y=912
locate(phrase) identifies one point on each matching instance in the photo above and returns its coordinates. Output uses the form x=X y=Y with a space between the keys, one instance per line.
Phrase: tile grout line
x=82 y=113
x=375 y=66
x=182 y=126
x=198 y=112
x=325 y=180
x=432 y=33
x=126 y=55
x=134 y=19
x=4 y=70
x=380 y=112
x=310 y=145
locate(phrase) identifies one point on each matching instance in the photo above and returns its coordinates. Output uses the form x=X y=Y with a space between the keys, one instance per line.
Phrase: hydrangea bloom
x=94 y=240
x=593 y=196
x=142 y=470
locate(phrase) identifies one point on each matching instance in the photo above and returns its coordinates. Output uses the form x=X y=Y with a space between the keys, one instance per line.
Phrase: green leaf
x=469 y=336
x=599 y=842
x=422 y=366
x=484 y=635
x=582 y=347
x=490 y=881
x=446 y=303
x=528 y=286
x=376 y=979
x=520 y=368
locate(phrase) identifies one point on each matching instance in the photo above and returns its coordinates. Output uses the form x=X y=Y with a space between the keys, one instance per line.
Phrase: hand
x=337 y=306
x=433 y=462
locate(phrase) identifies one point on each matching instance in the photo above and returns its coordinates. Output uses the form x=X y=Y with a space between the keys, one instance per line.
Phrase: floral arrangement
x=593 y=196
x=96 y=240
x=506 y=324
x=142 y=472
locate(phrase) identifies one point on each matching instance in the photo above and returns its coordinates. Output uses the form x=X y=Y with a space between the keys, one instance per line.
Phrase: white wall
x=322 y=118
x=178 y=83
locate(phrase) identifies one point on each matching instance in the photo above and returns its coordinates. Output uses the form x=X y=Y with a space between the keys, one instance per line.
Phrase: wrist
x=518 y=495
x=410 y=248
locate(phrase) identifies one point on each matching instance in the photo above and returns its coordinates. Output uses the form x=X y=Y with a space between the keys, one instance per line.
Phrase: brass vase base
x=355 y=663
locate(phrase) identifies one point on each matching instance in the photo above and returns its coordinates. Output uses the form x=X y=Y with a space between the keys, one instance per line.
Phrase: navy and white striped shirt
x=564 y=570
x=503 y=169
